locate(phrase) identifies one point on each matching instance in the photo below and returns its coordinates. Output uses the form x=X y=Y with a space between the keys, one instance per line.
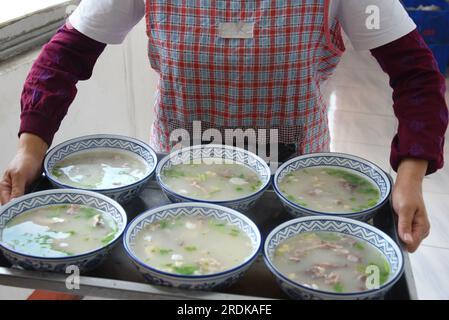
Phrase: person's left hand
x=408 y=203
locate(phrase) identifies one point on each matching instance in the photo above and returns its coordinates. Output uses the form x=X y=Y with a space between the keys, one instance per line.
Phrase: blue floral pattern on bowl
x=357 y=229
x=192 y=282
x=198 y=152
x=85 y=261
x=340 y=161
x=121 y=194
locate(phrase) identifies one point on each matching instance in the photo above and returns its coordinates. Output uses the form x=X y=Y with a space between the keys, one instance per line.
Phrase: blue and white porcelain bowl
x=86 y=144
x=347 y=162
x=216 y=151
x=192 y=209
x=361 y=230
x=85 y=261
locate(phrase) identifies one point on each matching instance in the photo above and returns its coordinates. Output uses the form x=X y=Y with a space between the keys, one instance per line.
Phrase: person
x=247 y=64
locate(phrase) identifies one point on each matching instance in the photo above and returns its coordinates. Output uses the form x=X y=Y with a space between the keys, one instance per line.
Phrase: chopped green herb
x=255 y=186
x=361 y=268
x=297 y=201
x=44 y=239
x=338 y=287
x=234 y=232
x=186 y=269
x=190 y=248
x=372 y=202
x=173 y=173
x=359 y=246
x=57 y=171
x=163 y=224
x=165 y=251
x=87 y=213
x=108 y=238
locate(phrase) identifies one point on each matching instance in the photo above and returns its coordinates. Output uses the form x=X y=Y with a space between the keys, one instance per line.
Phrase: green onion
x=186 y=269
x=108 y=238
x=359 y=246
x=338 y=287
x=165 y=251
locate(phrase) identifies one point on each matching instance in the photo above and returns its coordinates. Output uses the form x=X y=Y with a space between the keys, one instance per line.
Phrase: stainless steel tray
x=117 y=277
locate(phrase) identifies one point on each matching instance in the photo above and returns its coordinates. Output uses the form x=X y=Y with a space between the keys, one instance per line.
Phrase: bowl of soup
x=51 y=230
x=218 y=174
x=116 y=166
x=332 y=258
x=192 y=245
x=332 y=184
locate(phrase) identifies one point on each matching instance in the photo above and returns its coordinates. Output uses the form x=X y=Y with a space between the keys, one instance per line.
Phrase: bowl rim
x=144 y=215
x=114 y=203
x=379 y=232
x=332 y=154
x=166 y=158
x=52 y=151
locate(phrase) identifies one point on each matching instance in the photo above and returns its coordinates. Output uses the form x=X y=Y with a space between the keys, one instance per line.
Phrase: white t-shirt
x=109 y=21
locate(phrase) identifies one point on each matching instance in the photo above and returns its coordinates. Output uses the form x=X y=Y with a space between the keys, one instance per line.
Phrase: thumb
x=405 y=222
x=17 y=186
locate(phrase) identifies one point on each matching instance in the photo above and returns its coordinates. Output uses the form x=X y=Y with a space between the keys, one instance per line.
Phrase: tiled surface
x=438 y=209
x=361 y=128
x=377 y=154
x=430 y=269
x=11 y=293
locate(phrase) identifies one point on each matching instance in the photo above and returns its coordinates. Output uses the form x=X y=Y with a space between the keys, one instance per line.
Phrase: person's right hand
x=24 y=168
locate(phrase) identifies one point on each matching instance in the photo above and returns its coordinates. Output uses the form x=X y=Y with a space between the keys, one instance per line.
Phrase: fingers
x=421 y=228
x=413 y=226
x=405 y=223
x=17 y=186
x=5 y=189
x=11 y=186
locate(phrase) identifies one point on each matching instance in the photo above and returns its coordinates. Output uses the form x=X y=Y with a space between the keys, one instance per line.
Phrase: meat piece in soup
x=100 y=169
x=330 y=261
x=212 y=181
x=59 y=230
x=192 y=245
x=329 y=190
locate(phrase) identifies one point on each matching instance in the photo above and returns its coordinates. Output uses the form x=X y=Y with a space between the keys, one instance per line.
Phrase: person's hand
x=24 y=168
x=408 y=203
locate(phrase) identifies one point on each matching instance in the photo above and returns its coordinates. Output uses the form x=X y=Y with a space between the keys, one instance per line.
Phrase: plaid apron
x=269 y=81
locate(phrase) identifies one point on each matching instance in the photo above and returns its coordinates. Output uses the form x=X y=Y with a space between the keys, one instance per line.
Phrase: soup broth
x=59 y=230
x=100 y=169
x=192 y=245
x=212 y=181
x=331 y=261
x=329 y=190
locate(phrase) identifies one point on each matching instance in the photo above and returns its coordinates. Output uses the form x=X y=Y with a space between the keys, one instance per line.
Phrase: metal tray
x=117 y=277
